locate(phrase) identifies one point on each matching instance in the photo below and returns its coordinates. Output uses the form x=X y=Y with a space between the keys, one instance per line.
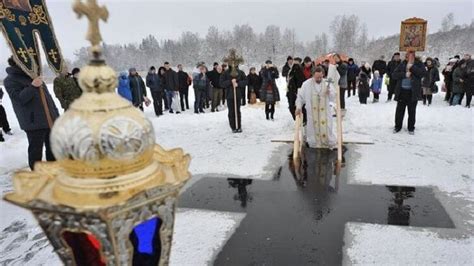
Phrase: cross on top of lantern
x=110 y=197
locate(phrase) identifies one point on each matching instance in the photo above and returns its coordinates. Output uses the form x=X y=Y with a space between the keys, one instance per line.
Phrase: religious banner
x=413 y=35
x=22 y=22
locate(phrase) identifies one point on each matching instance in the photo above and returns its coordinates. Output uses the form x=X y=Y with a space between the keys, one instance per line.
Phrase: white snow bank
x=370 y=244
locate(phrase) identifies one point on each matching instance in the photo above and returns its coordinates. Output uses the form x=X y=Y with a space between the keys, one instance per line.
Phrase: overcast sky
x=130 y=21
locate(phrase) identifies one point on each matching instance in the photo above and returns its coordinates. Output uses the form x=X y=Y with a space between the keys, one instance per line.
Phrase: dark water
x=298 y=217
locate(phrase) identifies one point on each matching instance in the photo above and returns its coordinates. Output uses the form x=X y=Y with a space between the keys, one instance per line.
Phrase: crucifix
x=21 y=52
x=94 y=13
x=233 y=60
x=53 y=54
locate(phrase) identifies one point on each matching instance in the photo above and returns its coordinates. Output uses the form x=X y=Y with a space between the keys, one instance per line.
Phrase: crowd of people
x=408 y=81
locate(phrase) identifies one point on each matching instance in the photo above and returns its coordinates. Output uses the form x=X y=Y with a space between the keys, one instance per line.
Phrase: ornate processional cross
x=94 y=13
x=233 y=60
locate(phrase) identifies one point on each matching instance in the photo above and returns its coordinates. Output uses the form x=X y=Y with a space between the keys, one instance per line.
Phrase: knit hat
x=268 y=62
x=132 y=70
x=289 y=58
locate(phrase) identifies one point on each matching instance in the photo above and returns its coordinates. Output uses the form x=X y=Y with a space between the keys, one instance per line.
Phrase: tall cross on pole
x=94 y=13
x=233 y=60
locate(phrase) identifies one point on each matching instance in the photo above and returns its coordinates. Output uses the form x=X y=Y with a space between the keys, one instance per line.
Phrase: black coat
x=269 y=77
x=153 y=82
x=392 y=65
x=418 y=71
x=254 y=82
x=138 y=89
x=215 y=78
x=26 y=100
x=379 y=65
x=468 y=75
x=171 y=80
x=226 y=83
x=183 y=80
x=430 y=78
x=286 y=70
x=296 y=79
x=366 y=71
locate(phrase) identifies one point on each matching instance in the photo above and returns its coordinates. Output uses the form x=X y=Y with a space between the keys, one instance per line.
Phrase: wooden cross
x=233 y=60
x=94 y=13
x=53 y=54
x=22 y=53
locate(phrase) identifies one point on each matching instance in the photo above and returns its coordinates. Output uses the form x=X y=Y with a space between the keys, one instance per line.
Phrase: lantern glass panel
x=85 y=247
x=146 y=242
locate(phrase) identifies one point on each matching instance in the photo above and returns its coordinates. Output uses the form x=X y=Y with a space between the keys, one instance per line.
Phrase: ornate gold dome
x=102 y=135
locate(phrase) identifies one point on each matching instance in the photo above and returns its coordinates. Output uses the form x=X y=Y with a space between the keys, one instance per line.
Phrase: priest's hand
x=234 y=83
x=298 y=112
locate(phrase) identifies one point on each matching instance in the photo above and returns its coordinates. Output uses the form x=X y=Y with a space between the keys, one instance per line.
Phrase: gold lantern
x=110 y=197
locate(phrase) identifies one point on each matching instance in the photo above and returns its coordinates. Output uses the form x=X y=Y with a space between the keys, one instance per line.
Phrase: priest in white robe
x=319 y=95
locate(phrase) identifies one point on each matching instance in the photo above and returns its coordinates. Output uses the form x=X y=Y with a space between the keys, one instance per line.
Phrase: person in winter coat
x=138 y=89
x=35 y=116
x=468 y=77
x=352 y=73
x=234 y=85
x=366 y=69
x=392 y=83
x=363 y=87
x=307 y=68
x=66 y=89
x=201 y=84
x=184 y=82
x=269 y=91
x=217 y=89
x=254 y=83
x=458 y=83
x=4 y=125
x=376 y=86
x=380 y=65
x=428 y=83
x=408 y=90
x=448 y=79
x=287 y=67
x=161 y=75
x=171 y=86
x=342 y=69
x=296 y=78
x=153 y=81
x=124 y=86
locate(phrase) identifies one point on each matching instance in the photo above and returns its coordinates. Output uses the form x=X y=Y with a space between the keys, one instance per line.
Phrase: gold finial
x=94 y=13
x=233 y=60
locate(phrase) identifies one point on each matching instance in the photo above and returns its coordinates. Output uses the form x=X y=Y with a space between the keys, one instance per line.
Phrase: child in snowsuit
x=363 y=87
x=376 y=86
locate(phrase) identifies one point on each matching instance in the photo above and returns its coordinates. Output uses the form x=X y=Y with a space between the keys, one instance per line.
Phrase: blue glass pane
x=145 y=233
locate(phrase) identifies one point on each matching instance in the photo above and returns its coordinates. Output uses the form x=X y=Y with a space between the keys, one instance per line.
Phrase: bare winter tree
x=447 y=23
x=345 y=32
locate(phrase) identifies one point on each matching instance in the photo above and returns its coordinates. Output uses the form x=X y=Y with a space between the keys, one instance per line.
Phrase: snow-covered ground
x=439 y=155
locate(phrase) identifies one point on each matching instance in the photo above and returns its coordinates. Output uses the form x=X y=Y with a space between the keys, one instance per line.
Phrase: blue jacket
x=376 y=85
x=352 y=72
x=124 y=86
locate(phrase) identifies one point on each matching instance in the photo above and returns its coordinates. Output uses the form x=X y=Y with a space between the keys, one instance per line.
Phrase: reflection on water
x=241 y=186
x=398 y=212
x=319 y=167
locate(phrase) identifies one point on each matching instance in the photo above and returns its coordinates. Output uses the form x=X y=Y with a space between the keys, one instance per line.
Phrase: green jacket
x=66 y=90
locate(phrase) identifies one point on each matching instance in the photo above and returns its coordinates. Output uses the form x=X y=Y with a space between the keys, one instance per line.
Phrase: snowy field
x=440 y=155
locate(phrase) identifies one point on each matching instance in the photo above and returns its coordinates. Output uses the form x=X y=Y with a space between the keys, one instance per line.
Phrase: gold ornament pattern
x=6 y=13
x=38 y=16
